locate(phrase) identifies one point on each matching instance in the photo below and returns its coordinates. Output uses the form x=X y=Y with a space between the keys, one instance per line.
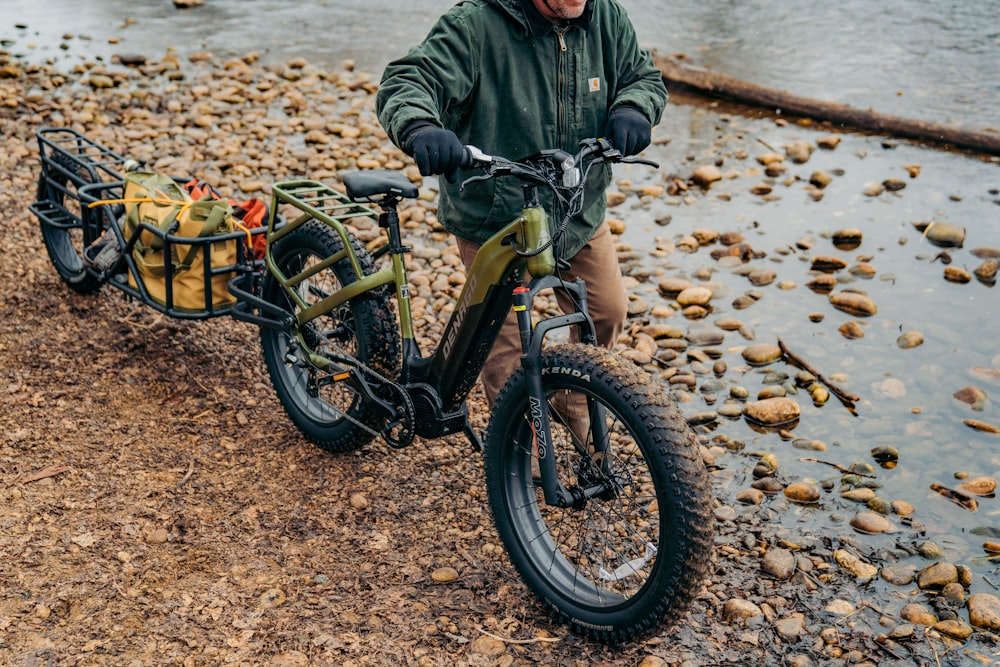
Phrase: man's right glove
x=435 y=149
x=628 y=129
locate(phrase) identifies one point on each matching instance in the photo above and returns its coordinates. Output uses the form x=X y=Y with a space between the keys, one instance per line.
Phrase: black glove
x=628 y=129
x=435 y=149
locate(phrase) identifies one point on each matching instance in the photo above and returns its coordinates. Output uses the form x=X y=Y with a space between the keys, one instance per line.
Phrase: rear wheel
x=64 y=237
x=634 y=548
x=330 y=413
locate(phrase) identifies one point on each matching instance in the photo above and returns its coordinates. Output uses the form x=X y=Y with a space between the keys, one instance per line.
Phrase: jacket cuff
x=410 y=133
x=628 y=109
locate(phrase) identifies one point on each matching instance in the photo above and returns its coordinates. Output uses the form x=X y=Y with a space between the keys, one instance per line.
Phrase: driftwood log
x=727 y=87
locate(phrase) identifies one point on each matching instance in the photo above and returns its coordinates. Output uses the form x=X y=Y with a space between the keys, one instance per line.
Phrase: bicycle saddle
x=378 y=184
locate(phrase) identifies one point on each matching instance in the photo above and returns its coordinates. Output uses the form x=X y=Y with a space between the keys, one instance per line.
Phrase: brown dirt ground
x=157 y=507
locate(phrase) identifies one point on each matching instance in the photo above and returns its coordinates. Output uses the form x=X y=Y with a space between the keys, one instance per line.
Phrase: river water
x=930 y=59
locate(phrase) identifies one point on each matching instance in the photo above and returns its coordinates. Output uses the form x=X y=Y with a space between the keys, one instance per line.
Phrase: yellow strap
x=246 y=230
x=164 y=201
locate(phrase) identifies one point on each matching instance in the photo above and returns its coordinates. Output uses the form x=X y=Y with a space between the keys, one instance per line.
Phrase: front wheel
x=634 y=548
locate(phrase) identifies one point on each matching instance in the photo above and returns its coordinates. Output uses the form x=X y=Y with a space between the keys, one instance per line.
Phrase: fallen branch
x=50 y=471
x=507 y=640
x=839 y=467
x=846 y=398
x=744 y=92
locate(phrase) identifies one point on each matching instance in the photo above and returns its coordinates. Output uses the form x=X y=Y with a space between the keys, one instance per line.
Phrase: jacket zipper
x=562 y=85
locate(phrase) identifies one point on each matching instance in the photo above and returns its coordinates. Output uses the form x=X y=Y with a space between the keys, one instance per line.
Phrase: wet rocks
x=975 y=397
x=802 y=492
x=910 y=340
x=871 y=523
x=984 y=611
x=937 y=576
x=943 y=234
x=706 y=175
x=853 y=303
x=779 y=563
x=773 y=411
x=761 y=354
x=979 y=486
x=851 y=563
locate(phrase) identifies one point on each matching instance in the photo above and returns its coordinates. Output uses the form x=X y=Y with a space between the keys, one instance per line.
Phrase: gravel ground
x=159 y=508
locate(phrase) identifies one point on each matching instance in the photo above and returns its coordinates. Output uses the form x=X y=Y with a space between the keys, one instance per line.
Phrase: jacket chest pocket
x=587 y=97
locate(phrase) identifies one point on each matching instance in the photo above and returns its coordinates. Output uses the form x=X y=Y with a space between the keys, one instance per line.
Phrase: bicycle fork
x=543 y=448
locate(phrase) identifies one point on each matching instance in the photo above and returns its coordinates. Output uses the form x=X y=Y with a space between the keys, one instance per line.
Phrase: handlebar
x=564 y=174
x=554 y=168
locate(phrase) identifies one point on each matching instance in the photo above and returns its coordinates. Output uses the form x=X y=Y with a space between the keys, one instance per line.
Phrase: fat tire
x=531 y=531
x=366 y=327
x=65 y=246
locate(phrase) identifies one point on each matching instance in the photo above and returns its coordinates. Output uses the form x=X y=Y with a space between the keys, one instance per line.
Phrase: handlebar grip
x=473 y=157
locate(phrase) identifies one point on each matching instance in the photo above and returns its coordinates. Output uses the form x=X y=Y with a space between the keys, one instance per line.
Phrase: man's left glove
x=628 y=130
x=436 y=150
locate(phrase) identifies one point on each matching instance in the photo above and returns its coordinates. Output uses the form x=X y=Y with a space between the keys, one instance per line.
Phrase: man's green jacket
x=512 y=84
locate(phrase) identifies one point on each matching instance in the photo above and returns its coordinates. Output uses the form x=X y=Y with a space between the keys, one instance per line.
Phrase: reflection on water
x=932 y=60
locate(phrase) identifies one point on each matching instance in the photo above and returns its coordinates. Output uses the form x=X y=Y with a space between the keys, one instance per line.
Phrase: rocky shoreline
x=777 y=595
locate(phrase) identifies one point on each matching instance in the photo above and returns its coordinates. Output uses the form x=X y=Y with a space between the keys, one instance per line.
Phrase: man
x=513 y=77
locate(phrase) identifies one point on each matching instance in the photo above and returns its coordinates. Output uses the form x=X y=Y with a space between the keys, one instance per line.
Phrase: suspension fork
x=531 y=361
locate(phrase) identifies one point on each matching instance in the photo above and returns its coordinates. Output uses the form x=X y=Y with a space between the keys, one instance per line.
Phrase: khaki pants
x=607 y=302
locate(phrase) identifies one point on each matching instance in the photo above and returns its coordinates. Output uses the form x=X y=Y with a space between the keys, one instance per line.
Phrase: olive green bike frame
x=485 y=300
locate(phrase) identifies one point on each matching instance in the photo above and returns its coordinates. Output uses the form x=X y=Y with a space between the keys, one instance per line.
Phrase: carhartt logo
x=595 y=85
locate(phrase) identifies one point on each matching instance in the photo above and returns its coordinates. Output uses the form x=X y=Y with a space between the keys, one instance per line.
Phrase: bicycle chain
x=408 y=432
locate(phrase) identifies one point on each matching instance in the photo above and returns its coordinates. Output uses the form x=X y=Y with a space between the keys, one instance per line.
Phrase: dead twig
x=840 y=468
x=188 y=475
x=845 y=397
x=48 y=471
x=506 y=640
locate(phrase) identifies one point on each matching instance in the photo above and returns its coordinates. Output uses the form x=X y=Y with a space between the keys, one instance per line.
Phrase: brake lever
x=639 y=160
x=475 y=179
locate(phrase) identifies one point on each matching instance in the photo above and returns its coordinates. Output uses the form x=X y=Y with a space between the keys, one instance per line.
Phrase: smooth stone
x=937 y=576
x=730 y=410
x=737 y=609
x=671 y=287
x=910 y=340
x=973 y=396
x=750 y=496
x=898 y=576
x=987 y=270
x=954 y=628
x=694 y=296
x=760 y=354
x=980 y=486
x=779 y=563
x=902 y=508
x=773 y=411
x=954 y=274
x=944 y=234
x=802 y=492
x=862 y=495
x=706 y=175
x=851 y=330
x=828 y=264
x=444 y=575
x=853 y=303
x=917 y=614
x=847 y=238
x=984 y=611
x=855 y=565
x=791 y=627
x=840 y=607
x=871 y=523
